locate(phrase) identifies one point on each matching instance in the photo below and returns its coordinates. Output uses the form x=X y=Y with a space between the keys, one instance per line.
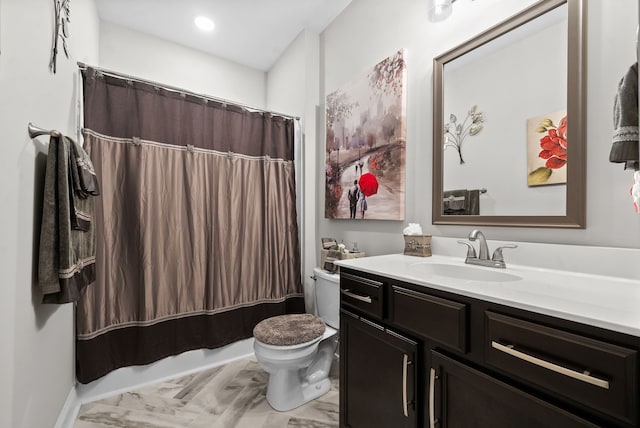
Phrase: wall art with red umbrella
x=365 y=145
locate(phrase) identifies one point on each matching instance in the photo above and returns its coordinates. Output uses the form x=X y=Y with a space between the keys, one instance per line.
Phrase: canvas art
x=365 y=145
x=547 y=149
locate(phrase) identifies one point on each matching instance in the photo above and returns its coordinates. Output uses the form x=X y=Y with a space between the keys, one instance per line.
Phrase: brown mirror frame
x=575 y=213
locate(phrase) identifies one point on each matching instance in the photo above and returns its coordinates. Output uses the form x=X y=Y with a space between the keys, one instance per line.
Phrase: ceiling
x=253 y=33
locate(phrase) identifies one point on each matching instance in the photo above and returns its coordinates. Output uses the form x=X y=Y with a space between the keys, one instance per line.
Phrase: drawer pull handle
x=348 y=292
x=405 y=363
x=432 y=386
x=584 y=377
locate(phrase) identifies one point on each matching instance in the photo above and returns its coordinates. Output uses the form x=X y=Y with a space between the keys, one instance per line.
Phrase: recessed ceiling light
x=204 y=23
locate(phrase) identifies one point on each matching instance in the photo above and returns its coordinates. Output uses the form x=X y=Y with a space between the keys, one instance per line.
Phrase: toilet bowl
x=297 y=350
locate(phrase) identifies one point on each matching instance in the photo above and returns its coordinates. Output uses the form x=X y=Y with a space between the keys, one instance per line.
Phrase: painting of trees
x=365 y=134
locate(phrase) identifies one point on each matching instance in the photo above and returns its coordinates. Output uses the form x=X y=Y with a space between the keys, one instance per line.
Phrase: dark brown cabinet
x=463 y=397
x=377 y=375
x=416 y=356
x=599 y=374
x=441 y=320
x=362 y=294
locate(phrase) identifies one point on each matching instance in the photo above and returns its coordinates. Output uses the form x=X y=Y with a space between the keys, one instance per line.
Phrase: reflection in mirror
x=520 y=75
x=505 y=105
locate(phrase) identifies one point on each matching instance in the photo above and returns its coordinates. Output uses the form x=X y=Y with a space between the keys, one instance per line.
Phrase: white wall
x=367 y=32
x=148 y=57
x=293 y=88
x=37 y=357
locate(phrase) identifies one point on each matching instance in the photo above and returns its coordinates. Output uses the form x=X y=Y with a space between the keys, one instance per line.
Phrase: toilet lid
x=287 y=330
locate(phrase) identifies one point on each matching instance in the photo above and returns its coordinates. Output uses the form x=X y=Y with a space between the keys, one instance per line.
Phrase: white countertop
x=609 y=302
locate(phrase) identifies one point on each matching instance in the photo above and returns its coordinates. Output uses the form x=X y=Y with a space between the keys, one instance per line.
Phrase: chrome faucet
x=482 y=244
x=496 y=261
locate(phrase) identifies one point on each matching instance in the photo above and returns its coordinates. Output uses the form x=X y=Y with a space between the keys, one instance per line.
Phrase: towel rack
x=457 y=198
x=35 y=131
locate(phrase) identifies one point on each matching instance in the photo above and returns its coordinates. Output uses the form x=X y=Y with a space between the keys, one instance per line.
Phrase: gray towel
x=461 y=202
x=625 y=121
x=66 y=262
x=455 y=204
x=83 y=183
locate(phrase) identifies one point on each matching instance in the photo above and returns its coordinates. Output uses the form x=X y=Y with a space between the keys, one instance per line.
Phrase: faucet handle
x=497 y=254
x=471 y=252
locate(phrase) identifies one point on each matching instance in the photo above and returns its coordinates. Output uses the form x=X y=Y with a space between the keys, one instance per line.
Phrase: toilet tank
x=328 y=296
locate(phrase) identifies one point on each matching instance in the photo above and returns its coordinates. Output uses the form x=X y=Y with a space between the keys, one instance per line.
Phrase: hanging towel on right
x=625 y=121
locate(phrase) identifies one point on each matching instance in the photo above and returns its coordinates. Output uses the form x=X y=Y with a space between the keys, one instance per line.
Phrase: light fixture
x=204 y=23
x=439 y=10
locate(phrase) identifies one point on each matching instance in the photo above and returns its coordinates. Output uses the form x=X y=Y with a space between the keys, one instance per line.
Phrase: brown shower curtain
x=196 y=229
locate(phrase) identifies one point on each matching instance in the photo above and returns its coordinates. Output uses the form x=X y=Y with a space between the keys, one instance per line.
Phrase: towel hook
x=36 y=131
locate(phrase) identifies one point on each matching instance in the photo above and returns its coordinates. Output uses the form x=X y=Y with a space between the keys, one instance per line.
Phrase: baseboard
x=69 y=412
x=129 y=378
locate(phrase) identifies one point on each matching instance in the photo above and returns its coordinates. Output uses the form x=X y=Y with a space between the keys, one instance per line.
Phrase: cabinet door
x=462 y=397
x=377 y=376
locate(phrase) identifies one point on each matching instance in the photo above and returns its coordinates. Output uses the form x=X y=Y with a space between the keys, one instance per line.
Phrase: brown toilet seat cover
x=287 y=330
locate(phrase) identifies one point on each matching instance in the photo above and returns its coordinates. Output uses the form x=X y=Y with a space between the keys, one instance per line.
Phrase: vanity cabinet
x=599 y=374
x=441 y=320
x=462 y=397
x=362 y=294
x=451 y=360
x=378 y=378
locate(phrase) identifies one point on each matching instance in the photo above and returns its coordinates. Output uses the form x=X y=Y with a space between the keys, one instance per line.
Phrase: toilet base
x=297 y=394
x=288 y=389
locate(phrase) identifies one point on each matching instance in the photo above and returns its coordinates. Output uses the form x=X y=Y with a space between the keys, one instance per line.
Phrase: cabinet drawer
x=363 y=294
x=594 y=373
x=441 y=320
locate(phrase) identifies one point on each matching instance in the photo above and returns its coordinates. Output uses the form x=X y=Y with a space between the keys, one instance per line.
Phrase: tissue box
x=417 y=245
x=328 y=256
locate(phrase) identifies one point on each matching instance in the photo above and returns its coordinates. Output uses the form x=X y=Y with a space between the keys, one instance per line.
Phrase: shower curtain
x=196 y=228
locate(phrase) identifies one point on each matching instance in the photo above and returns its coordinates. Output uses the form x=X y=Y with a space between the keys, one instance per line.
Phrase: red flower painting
x=554 y=145
x=547 y=149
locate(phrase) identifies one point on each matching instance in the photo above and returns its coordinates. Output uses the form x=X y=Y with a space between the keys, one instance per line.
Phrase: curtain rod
x=119 y=75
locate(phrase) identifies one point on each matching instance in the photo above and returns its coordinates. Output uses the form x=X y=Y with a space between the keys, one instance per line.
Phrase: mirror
x=509 y=123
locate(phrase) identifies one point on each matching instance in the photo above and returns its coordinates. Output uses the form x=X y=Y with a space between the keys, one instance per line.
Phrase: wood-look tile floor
x=229 y=396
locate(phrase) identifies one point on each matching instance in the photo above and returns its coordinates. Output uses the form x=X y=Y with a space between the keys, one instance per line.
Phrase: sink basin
x=463 y=272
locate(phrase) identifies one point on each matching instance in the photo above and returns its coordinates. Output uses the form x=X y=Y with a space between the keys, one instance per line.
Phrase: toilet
x=297 y=350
